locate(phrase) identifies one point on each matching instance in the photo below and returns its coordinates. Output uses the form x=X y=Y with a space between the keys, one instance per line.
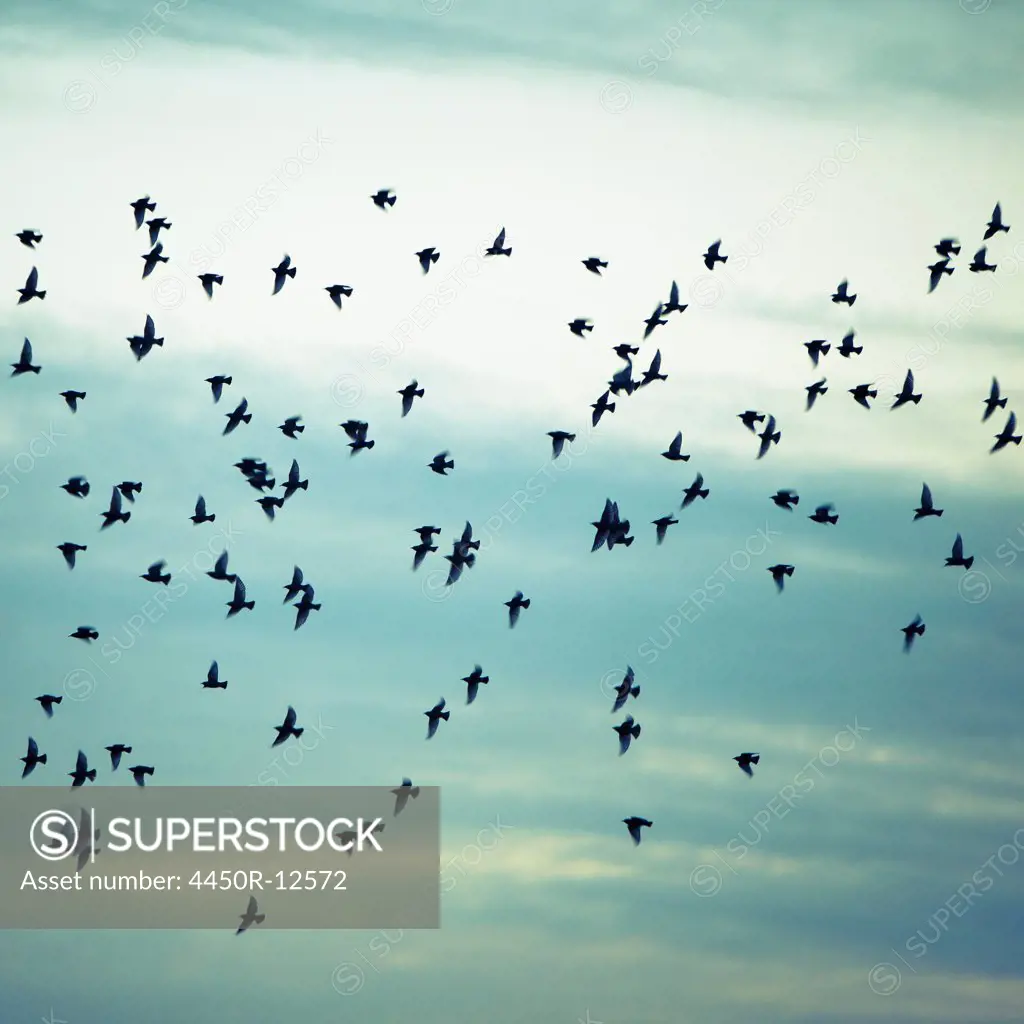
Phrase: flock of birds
x=611 y=529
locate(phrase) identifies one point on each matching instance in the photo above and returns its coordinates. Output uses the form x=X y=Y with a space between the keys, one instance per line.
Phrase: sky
x=870 y=870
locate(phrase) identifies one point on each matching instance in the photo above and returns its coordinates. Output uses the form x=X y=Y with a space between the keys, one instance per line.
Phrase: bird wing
x=200 y=506
x=499 y=241
x=26 y=352
x=958 y=547
x=239 y=590
x=289 y=718
x=32 y=280
x=1011 y=424
x=926 y=496
x=81 y=764
x=115 y=501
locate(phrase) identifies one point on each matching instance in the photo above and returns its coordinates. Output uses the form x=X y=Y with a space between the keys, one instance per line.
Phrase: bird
x=496 y=247
x=779 y=573
x=82 y=771
x=661 y=526
x=609 y=518
x=654 y=320
x=786 y=499
x=673 y=453
x=694 y=491
x=579 y=325
x=129 y=489
x=842 y=295
x=30 y=291
x=768 y=436
x=956 y=557
x=978 y=264
x=141 y=345
x=600 y=407
x=409 y=393
x=473 y=681
x=32 y=758
x=628 y=731
x=213 y=680
x=350 y=837
x=862 y=392
x=404 y=793
x=217 y=384
x=427 y=257
x=948 y=247
x=208 y=281
x=916 y=628
x=139 y=773
x=200 y=515
x=421 y=550
x=142 y=207
x=28 y=238
x=622 y=380
x=594 y=265
x=357 y=430
x=927 y=505
x=305 y=605
x=383 y=198
x=293 y=589
x=440 y=464
x=937 y=269
x=711 y=257
x=152 y=258
x=558 y=439
x=116 y=750
x=625 y=690
x=293 y=483
x=673 y=305
x=250 y=917
x=24 y=363
x=287 y=728
x=1006 y=435
x=815 y=349
x=238 y=415
x=821 y=515
x=47 y=701
x=907 y=394
x=291 y=427
x=515 y=606
x=653 y=372
x=633 y=825
x=625 y=351
x=749 y=418
x=847 y=347
x=746 y=760
x=69 y=549
x=72 y=398
x=269 y=503
x=281 y=272
x=813 y=390
x=993 y=401
x=77 y=486
x=238 y=601
x=155 y=225
x=996 y=223
x=434 y=715
x=114 y=513
x=155 y=574
x=220 y=569
x=337 y=292
x=86 y=633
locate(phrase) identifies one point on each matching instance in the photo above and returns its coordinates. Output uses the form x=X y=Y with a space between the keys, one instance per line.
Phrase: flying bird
x=82 y=771
x=654 y=320
x=473 y=681
x=47 y=701
x=779 y=573
x=116 y=750
x=434 y=715
x=155 y=225
x=927 y=505
x=600 y=407
x=251 y=917
x=239 y=415
x=217 y=384
x=24 y=363
x=287 y=728
x=238 y=601
x=746 y=760
x=69 y=550
x=427 y=257
x=293 y=589
x=579 y=325
x=139 y=773
x=28 y=238
x=32 y=757
x=142 y=207
x=948 y=247
x=305 y=605
x=220 y=569
x=786 y=499
x=269 y=503
x=404 y=792
x=213 y=680
x=30 y=291
x=821 y=515
x=625 y=690
x=625 y=351
x=114 y=513
x=996 y=223
x=208 y=281
x=337 y=292
x=842 y=295
x=711 y=257
x=847 y=347
x=515 y=606
x=142 y=345
x=937 y=269
x=993 y=401
x=916 y=628
x=862 y=392
x=155 y=573
x=674 y=451
x=357 y=431
x=1006 y=435
x=594 y=265
x=291 y=427
x=86 y=633
x=495 y=248
x=72 y=398
x=749 y=418
x=694 y=491
x=673 y=305
x=653 y=372
x=956 y=557
x=768 y=436
x=628 y=731
x=282 y=272
x=813 y=390
x=152 y=258
x=558 y=439
x=383 y=198
x=634 y=825
x=409 y=393
x=200 y=515
x=978 y=264
x=440 y=463
x=293 y=483
x=817 y=348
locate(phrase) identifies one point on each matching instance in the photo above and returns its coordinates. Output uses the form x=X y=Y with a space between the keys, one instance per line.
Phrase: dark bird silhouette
x=653 y=372
x=440 y=463
x=357 y=430
x=409 y=393
x=978 y=264
x=749 y=418
x=847 y=347
x=305 y=605
x=69 y=550
x=594 y=265
x=821 y=515
x=421 y=550
x=239 y=415
x=238 y=601
x=281 y=272
x=28 y=238
x=515 y=606
x=1006 y=435
x=220 y=569
x=907 y=394
x=813 y=390
x=625 y=351
x=337 y=292
x=558 y=439
x=862 y=392
x=213 y=680
x=24 y=363
x=936 y=270
x=208 y=281
x=251 y=917
x=293 y=483
x=217 y=384
x=77 y=486
x=628 y=731
x=654 y=320
x=114 y=513
x=993 y=401
x=72 y=398
x=579 y=325
x=30 y=291
x=674 y=451
x=746 y=760
x=116 y=750
x=779 y=573
x=293 y=589
x=82 y=771
x=786 y=499
x=673 y=305
x=842 y=295
x=32 y=758
x=465 y=543
x=152 y=258
x=473 y=681
x=427 y=257
x=434 y=715
x=291 y=427
x=47 y=701
x=86 y=633
x=351 y=837
x=139 y=773
x=768 y=436
x=711 y=257
x=155 y=573
x=600 y=407
x=200 y=515
x=634 y=825
x=817 y=348
x=142 y=207
x=927 y=505
x=694 y=491
x=269 y=503
x=129 y=489
x=956 y=557
x=287 y=728
x=996 y=223
x=948 y=247
x=404 y=793
x=495 y=249
x=625 y=690
x=622 y=380
x=142 y=345
x=916 y=628
x=383 y=198
x=155 y=225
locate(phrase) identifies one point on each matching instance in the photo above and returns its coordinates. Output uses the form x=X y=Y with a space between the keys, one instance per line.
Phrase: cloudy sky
x=868 y=871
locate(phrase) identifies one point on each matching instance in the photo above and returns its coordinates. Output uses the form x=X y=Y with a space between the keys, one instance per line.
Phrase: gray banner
x=173 y=857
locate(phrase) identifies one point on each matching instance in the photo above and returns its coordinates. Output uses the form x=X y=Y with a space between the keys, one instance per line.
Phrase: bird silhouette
x=496 y=247
x=633 y=825
x=282 y=272
x=956 y=558
x=32 y=758
x=287 y=728
x=996 y=223
x=434 y=716
x=746 y=760
x=916 y=628
x=30 y=291
x=927 y=507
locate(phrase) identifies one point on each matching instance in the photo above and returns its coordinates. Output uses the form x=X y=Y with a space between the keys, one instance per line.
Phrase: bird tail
x=1016 y=440
x=419 y=394
x=370 y=444
x=756 y=760
x=36 y=369
x=939 y=511
x=833 y=519
x=526 y=603
x=968 y=562
x=91 y=774
x=247 y=417
x=635 y=691
x=707 y=490
x=445 y=715
x=587 y=327
x=125 y=516
x=628 y=541
x=41 y=759
x=916 y=399
x=249 y=604
x=390 y=200
x=290 y=271
x=796 y=499
x=723 y=259
x=41 y=295
x=298 y=732
x=635 y=731
x=921 y=629
x=259 y=918
x=304 y=485
x=789 y=570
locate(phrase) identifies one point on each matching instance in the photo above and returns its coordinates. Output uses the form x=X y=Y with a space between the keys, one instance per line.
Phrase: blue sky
x=818 y=143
